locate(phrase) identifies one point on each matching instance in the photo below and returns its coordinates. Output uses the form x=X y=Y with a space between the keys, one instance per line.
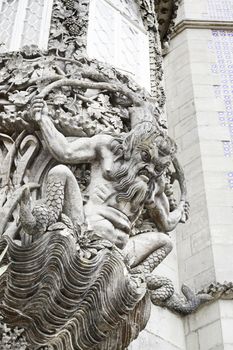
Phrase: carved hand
x=185 y=215
x=39 y=109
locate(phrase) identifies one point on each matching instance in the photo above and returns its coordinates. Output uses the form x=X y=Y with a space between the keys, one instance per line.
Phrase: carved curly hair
x=147 y=134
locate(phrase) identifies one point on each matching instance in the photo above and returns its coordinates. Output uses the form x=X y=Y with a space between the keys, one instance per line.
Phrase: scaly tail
x=36 y=221
x=154 y=259
x=187 y=303
x=54 y=198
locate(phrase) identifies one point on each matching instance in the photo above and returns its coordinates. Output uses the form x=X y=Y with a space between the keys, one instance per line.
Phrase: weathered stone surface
x=87 y=198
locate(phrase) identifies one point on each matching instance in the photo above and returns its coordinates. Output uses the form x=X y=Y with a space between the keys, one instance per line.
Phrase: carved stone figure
x=113 y=223
x=86 y=194
x=127 y=175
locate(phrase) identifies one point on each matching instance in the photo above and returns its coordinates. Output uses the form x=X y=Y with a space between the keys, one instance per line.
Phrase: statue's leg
x=63 y=194
x=148 y=249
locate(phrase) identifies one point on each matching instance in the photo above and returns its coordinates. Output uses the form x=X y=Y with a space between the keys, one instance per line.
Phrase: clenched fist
x=186 y=209
x=39 y=109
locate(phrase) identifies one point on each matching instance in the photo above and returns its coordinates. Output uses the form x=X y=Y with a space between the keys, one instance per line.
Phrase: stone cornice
x=201 y=24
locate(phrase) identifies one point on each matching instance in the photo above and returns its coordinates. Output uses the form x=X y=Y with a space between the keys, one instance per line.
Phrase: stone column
x=199 y=88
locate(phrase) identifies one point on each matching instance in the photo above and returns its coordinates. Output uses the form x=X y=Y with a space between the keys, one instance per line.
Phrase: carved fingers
x=185 y=211
x=39 y=108
x=103 y=192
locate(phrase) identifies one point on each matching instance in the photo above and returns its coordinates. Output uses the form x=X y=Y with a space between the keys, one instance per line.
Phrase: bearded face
x=135 y=178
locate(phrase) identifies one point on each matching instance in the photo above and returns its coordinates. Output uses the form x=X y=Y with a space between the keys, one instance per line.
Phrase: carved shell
x=69 y=302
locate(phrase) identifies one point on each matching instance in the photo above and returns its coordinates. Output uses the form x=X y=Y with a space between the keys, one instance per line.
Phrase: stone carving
x=69 y=27
x=11 y=339
x=219 y=290
x=101 y=215
x=166 y=14
x=69 y=31
x=86 y=195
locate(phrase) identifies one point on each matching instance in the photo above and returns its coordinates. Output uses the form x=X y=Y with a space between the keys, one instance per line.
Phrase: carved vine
x=69 y=27
x=72 y=111
x=219 y=290
x=68 y=37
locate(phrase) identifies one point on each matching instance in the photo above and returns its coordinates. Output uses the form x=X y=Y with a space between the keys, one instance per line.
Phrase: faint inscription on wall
x=222 y=46
x=219 y=10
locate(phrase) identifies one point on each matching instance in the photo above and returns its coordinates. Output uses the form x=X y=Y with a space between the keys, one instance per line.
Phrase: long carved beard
x=129 y=188
x=135 y=194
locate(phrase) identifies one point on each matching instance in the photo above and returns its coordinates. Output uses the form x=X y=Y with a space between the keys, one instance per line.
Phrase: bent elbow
x=171 y=225
x=167 y=226
x=64 y=156
x=67 y=156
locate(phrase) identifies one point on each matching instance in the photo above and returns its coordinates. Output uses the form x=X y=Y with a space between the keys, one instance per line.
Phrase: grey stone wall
x=198 y=75
x=165 y=330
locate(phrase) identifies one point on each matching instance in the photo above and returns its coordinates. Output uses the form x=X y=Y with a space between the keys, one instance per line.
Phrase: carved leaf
x=27 y=149
x=56 y=32
x=57 y=45
x=19 y=77
x=59 y=99
x=4 y=74
x=95 y=111
x=20 y=98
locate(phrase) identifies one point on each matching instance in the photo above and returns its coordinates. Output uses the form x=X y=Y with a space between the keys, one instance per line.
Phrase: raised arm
x=81 y=150
x=165 y=220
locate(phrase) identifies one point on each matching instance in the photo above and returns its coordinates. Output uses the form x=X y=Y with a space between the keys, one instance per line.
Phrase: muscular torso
x=106 y=216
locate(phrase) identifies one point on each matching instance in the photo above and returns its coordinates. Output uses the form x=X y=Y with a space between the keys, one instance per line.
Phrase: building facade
x=198 y=85
x=196 y=75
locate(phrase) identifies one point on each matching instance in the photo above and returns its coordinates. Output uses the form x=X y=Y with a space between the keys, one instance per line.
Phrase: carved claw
x=191 y=296
x=188 y=305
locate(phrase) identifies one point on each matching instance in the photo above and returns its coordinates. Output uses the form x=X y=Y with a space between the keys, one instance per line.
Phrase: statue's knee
x=60 y=171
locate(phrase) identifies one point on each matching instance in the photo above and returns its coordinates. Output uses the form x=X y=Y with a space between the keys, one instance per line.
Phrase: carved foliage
x=68 y=36
x=69 y=27
x=74 y=111
x=219 y=290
